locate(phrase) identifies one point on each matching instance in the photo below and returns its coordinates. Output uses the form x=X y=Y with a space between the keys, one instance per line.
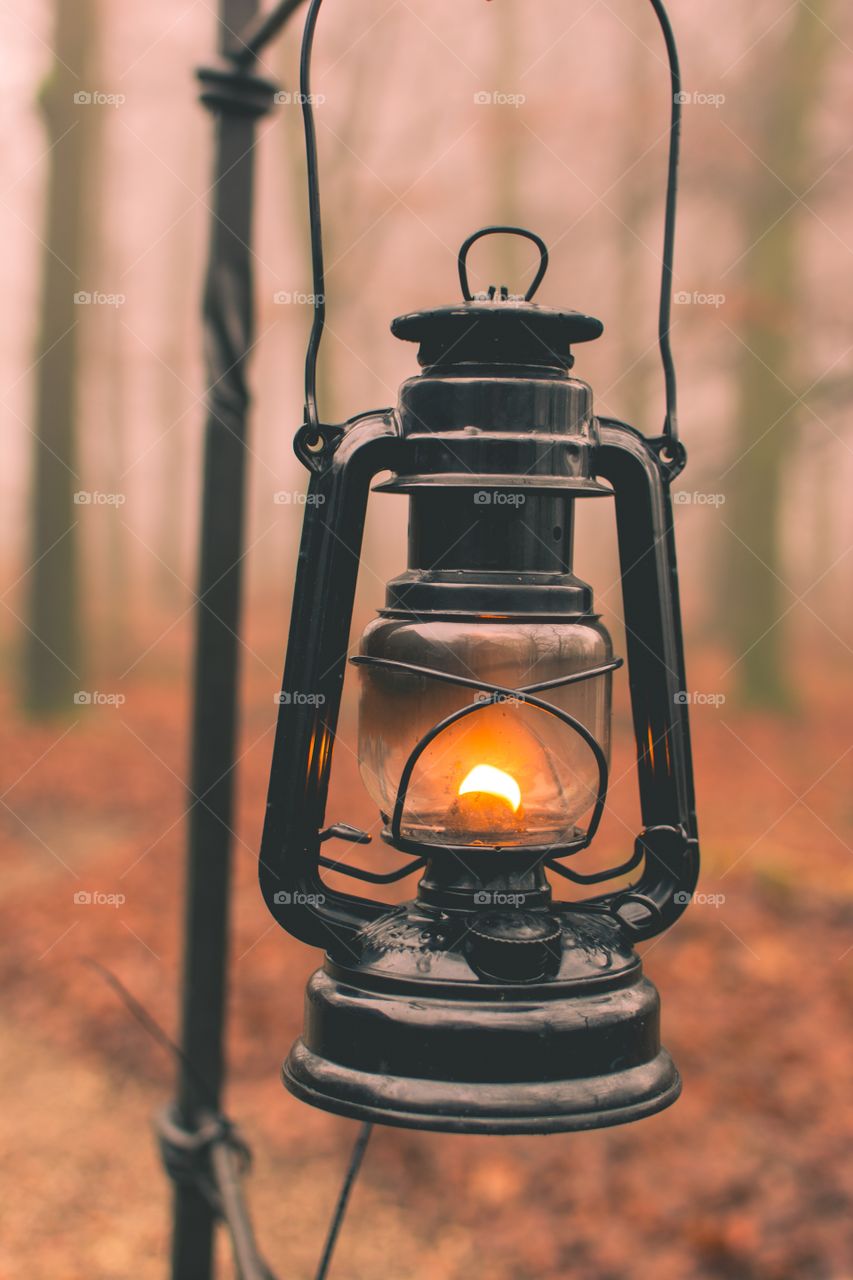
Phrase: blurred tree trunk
x=766 y=412
x=171 y=379
x=118 y=618
x=102 y=403
x=52 y=643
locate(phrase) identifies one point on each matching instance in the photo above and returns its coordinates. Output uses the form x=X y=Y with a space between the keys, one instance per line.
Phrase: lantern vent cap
x=510 y=333
x=497 y=328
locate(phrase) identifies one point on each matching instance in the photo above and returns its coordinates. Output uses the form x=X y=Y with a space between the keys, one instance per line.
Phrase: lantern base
x=422 y=1035
x=447 y=1107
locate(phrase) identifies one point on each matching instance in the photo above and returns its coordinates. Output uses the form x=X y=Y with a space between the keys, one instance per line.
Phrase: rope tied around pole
x=186 y=1152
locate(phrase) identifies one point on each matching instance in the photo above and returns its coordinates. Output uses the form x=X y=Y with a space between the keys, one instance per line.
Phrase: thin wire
x=145 y=1020
x=234 y=1207
x=343 y=1199
x=670 y=426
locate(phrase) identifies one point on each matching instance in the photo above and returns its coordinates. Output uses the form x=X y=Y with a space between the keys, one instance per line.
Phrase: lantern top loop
x=497 y=328
x=510 y=231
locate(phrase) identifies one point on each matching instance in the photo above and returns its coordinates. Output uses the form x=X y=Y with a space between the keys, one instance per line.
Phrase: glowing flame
x=494 y=782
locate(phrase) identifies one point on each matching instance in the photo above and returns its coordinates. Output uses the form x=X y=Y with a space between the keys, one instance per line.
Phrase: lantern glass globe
x=509 y=774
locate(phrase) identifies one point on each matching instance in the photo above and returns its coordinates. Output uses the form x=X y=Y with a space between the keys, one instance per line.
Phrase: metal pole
x=251 y=41
x=237 y=99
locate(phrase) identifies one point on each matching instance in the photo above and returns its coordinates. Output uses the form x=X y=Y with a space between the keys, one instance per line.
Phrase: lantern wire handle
x=462 y=260
x=312 y=420
x=670 y=426
x=318 y=269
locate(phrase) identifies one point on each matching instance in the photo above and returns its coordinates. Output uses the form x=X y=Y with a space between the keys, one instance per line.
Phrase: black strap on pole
x=237 y=99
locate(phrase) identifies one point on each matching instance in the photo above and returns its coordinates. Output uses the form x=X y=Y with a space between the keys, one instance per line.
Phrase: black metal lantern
x=484 y=1005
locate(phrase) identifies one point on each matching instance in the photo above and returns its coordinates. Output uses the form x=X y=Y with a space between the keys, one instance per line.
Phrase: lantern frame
x=295 y=827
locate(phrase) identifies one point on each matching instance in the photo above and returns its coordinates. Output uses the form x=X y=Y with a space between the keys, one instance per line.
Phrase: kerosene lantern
x=483 y=1004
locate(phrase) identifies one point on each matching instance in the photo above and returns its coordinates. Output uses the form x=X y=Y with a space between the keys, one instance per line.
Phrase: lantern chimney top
x=497 y=328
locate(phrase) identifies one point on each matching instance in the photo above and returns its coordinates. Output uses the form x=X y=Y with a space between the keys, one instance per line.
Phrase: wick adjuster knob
x=514 y=946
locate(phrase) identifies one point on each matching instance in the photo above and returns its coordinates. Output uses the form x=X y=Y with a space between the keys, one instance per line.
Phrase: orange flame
x=494 y=782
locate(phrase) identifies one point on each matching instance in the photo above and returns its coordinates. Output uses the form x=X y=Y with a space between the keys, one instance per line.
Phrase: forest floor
x=749 y=1176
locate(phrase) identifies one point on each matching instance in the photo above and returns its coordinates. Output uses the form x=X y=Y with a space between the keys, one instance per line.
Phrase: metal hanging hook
x=670 y=444
x=510 y=231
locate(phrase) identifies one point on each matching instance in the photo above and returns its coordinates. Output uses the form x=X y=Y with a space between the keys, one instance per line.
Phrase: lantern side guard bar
x=316 y=661
x=374 y=877
x=669 y=439
x=655 y=653
x=343 y=831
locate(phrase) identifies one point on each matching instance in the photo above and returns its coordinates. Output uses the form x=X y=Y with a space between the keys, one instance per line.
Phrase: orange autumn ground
x=749 y=1176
